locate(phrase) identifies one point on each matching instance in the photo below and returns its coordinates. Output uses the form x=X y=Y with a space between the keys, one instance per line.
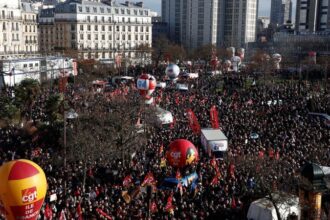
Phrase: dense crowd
x=266 y=123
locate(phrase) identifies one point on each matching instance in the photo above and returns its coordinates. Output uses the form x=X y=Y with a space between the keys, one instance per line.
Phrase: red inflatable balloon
x=181 y=153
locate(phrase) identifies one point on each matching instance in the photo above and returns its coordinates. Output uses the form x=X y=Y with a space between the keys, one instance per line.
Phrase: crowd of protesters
x=267 y=122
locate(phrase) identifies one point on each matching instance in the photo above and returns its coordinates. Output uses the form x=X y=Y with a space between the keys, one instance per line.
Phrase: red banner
x=193 y=122
x=101 y=212
x=62 y=81
x=214 y=117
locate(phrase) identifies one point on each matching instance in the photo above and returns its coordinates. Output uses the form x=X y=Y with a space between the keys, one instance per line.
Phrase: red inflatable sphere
x=181 y=153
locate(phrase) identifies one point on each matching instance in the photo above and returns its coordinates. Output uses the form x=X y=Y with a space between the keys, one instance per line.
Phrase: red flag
x=169 y=206
x=178 y=174
x=149 y=179
x=62 y=215
x=214 y=117
x=48 y=213
x=271 y=153
x=127 y=181
x=177 y=100
x=231 y=169
x=193 y=122
x=213 y=162
x=215 y=180
x=79 y=212
x=277 y=155
x=153 y=207
x=233 y=203
x=101 y=212
x=62 y=84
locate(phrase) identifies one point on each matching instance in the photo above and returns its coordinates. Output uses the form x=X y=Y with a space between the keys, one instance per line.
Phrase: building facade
x=191 y=23
x=237 y=22
x=312 y=16
x=280 y=12
x=18 y=22
x=95 y=29
x=159 y=29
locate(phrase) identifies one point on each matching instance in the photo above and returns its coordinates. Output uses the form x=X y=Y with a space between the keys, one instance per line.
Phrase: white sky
x=264 y=6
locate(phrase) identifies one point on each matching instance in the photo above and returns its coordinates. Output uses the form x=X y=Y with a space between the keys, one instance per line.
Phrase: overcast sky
x=264 y=6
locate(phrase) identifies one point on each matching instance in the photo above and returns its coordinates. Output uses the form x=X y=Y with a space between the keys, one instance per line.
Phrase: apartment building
x=281 y=12
x=18 y=22
x=95 y=29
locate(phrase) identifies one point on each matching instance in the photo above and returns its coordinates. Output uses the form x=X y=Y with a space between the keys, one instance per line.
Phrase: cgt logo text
x=29 y=195
x=175 y=155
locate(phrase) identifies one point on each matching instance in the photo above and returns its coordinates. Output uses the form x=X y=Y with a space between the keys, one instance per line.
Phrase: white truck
x=214 y=142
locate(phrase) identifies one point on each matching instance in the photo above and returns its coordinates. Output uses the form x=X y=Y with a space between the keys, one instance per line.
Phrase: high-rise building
x=95 y=29
x=312 y=15
x=192 y=23
x=237 y=22
x=281 y=12
x=18 y=25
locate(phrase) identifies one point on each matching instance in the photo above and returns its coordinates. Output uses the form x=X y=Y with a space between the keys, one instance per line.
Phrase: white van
x=214 y=142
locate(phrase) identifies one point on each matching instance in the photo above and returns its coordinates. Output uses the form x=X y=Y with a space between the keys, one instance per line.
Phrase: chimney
x=139 y=4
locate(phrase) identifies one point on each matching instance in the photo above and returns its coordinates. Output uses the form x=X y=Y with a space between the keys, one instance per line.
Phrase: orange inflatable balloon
x=23 y=187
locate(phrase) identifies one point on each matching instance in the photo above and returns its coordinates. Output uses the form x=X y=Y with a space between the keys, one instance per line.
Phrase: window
x=95 y=18
x=110 y=28
x=141 y=28
x=36 y=64
x=73 y=27
x=129 y=37
x=147 y=29
x=103 y=28
x=30 y=65
x=123 y=28
x=87 y=10
x=80 y=9
x=25 y=65
x=123 y=37
x=122 y=11
x=88 y=36
x=129 y=28
x=81 y=27
x=116 y=11
x=128 y=11
x=81 y=36
x=102 y=10
x=96 y=37
x=136 y=29
x=136 y=37
x=96 y=46
x=88 y=27
x=141 y=37
x=110 y=37
x=88 y=18
x=147 y=37
x=16 y=26
x=103 y=55
x=103 y=37
x=135 y=12
x=3 y=26
x=109 y=19
x=108 y=10
x=123 y=19
x=102 y=18
x=96 y=28
x=94 y=9
x=117 y=28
